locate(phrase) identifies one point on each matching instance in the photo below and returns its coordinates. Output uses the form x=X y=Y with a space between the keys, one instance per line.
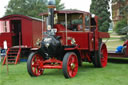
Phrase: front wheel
x=101 y=56
x=34 y=63
x=70 y=65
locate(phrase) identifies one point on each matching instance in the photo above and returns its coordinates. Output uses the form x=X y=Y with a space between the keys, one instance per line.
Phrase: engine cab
x=71 y=25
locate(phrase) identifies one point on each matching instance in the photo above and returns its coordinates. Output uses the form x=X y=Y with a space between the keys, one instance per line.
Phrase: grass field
x=116 y=73
x=113 y=42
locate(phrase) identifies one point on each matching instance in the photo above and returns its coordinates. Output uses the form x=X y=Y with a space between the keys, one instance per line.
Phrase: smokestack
x=51 y=6
x=51 y=2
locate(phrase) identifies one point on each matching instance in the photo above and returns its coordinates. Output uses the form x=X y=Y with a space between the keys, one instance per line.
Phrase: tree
x=120 y=25
x=124 y=12
x=101 y=9
x=125 y=32
x=59 y=6
x=29 y=7
x=118 y=1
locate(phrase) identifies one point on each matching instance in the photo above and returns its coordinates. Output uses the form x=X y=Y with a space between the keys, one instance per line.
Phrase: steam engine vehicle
x=72 y=37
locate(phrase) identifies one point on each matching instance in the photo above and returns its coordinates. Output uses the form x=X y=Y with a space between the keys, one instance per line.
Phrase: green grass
x=114 y=74
x=113 y=42
x=112 y=45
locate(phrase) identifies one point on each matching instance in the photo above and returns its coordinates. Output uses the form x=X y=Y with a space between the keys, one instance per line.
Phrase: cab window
x=87 y=22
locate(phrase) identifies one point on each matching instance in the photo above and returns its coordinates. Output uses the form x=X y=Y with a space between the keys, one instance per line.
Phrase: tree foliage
x=101 y=9
x=30 y=7
x=125 y=32
x=59 y=6
x=118 y=1
x=120 y=25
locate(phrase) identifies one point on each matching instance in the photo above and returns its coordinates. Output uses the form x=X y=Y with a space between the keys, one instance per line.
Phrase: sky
x=3 y=3
x=73 y=4
x=83 y=5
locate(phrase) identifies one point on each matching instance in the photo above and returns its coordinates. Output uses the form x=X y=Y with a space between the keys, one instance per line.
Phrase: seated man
x=80 y=27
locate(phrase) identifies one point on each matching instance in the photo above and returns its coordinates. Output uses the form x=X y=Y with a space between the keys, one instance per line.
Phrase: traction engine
x=72 y=37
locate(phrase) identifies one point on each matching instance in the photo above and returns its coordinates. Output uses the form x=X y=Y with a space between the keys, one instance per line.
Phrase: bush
x=124 y=31
x=120 y=25
x=124 y=38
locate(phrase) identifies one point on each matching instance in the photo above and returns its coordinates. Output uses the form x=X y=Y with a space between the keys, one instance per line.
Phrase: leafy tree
x=118 y=1
x=101 y=9
x=124 y=12
x=29 y=7
x=125 y=32
x=59 y=6
x=120 y=25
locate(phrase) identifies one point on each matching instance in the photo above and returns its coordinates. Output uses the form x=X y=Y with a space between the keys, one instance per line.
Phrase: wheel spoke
x=73 y=59
x=70 y=61
x=38 y=71
x=33 y=65
x=68 y=68
x=70 y=73
x=34 y=70
x=74 y=72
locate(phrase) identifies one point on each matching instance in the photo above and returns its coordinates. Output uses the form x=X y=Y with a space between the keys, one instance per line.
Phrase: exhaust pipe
x=51 y=2
x=51 y=6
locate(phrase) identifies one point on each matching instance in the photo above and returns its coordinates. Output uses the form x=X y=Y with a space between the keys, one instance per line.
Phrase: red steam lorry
x=71 y=38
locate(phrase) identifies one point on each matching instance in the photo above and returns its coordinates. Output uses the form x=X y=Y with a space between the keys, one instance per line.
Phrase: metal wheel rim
x=35 y=65
x=72 y=70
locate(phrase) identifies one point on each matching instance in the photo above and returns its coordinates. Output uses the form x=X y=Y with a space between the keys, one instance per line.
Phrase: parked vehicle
x=72 y=37
x=21 y=34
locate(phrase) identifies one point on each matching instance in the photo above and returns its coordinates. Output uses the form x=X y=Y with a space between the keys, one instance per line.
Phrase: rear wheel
x=70 y=65
x=101 y=56
x=34 y=63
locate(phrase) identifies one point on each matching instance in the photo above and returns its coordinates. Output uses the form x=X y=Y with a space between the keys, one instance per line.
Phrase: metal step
x=11 y=53
x=11 y=62
x=11 y=59
x=11 y=56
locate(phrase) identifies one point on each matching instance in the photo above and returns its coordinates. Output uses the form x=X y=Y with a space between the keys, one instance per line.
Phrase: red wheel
x=101 y=56
x=34 y=63
x=70 y=65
